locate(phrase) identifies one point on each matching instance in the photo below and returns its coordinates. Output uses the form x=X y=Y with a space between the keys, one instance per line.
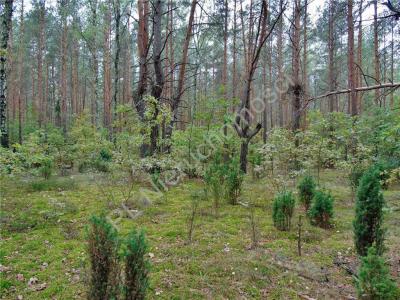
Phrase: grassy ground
x=43 y=236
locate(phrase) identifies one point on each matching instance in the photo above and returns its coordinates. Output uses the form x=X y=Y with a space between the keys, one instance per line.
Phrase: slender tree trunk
x=279 y=45
x=376 y=52
x=63 y=96
x=333 y=101
x=117 y=18
x=75 y=75
x=107 y=72
x=392 y=64
x=20 y=71
x=351 y=70
x=40 y=101
x=359 y=57
x=6 y=28
x=305 y=57
x=297 y=89
x=234 y=81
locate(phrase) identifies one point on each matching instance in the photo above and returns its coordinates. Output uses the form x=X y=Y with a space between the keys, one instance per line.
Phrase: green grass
x=47 y=225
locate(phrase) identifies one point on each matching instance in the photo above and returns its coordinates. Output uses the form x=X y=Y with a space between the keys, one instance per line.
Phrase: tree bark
x=376 y=52
x=353 y=107
x=6 y=28
x=296 y=88
x=333 y=101
x=40 y=103
x=107 y=72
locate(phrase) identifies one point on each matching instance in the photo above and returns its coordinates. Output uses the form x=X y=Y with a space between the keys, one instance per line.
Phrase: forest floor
x=43 y=248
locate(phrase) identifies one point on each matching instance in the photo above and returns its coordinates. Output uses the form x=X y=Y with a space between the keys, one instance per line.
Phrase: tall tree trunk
x=92 y=43
x=20 y=71
x=296 y=88
x=392 y=64
x=351 y=70
x=40 y=101
x=182 y=71
x=234 y=52
x=117 y=18
x=75 y=73
x=359 y=57
x=63 y=90
x=376 y=52
x=305 y=57
x=279 y=45
x=6 y=28
x=333 y=101
x=107 y=71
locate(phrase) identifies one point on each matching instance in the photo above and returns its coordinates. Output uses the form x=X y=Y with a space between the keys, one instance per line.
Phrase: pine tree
x=136 y=267
x=321 y=210
x=374 y=280
x=103 y=248
x=283 y=209
x=369 y=214
x=306 y=189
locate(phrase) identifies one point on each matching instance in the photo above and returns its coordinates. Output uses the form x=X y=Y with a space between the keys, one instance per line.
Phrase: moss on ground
x=43 y=236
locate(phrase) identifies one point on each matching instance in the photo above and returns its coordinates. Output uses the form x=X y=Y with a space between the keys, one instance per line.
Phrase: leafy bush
x=233 y=181
x=306 y=189
x=46 y=168
x=321 y=210
x=369 y=214
x=103 y=256
x=374 y=280
x=136 y=267
x=215 y=179
x=356 y=172
x=283 y=209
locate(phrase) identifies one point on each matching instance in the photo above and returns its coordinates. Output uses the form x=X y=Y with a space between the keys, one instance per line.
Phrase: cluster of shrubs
x=118 y=268
x=317 y=203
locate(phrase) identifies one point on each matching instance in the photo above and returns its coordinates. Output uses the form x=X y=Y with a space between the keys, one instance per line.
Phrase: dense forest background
x=100 y=58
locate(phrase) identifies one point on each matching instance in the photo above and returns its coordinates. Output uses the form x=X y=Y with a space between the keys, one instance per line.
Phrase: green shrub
x=306 y=189
x=136 y=267
x=46 y=168
x=355 y=175
x=374 y=280
x=233 y=181
x=214 y=179
x=52 y=184
x=321 y=210
x=369 y=214
x=103 y=256
x=283 y=209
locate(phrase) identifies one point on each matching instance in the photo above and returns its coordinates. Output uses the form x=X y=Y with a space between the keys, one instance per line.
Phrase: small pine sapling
x=283 y=209
x=233 y=181
x=136 y=267
x=306 y=189
x=103 y=256
x=368 y=221
x=321 y=211
x=374 y=281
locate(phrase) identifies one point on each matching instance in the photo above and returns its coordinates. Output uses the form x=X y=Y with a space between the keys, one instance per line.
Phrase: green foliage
x=369 y=213
x=355 y=174
x=46 y=168
x=136 y=266
x=321 y=210
x=52 y=184
x=233 y=180
x=306 y=189
x=282 y=210
x=103 y=254
x=374 y=281
x=91 y=147
x=214 y=178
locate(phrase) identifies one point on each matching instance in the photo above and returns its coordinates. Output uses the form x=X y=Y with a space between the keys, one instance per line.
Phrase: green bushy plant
x=306 y=189
x=136 y=267
x=103 y=256
x=233 y=181
x=46 y=168
x=368 y=221
x=356 y=172
x=214 y=178
x=283 y=208
x=321 y=210
x=374 y=280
